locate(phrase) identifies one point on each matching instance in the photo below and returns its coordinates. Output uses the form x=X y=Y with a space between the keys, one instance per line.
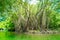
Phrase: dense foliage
x=23 y=15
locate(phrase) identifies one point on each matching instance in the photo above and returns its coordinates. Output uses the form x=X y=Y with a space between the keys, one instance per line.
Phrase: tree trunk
x=43 y=20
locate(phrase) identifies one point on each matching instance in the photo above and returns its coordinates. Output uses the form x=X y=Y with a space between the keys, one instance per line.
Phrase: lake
x=19 y=36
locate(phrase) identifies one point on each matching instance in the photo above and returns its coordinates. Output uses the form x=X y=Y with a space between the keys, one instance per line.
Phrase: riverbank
x=42 y=32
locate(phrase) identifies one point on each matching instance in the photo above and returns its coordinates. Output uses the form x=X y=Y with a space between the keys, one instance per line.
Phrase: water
x=18 y=36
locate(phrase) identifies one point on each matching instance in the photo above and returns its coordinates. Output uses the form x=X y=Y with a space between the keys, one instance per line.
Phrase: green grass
x=14 y=36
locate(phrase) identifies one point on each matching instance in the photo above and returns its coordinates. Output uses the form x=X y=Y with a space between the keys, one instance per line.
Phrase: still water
x=18 y=36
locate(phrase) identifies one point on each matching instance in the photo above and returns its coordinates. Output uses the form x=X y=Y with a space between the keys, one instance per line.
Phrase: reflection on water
x=13 y=36
x=16 y=36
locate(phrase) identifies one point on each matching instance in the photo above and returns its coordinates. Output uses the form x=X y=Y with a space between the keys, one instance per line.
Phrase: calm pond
x=15 y=36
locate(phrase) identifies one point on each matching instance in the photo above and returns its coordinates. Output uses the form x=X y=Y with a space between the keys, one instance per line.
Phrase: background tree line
x=22 y=16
